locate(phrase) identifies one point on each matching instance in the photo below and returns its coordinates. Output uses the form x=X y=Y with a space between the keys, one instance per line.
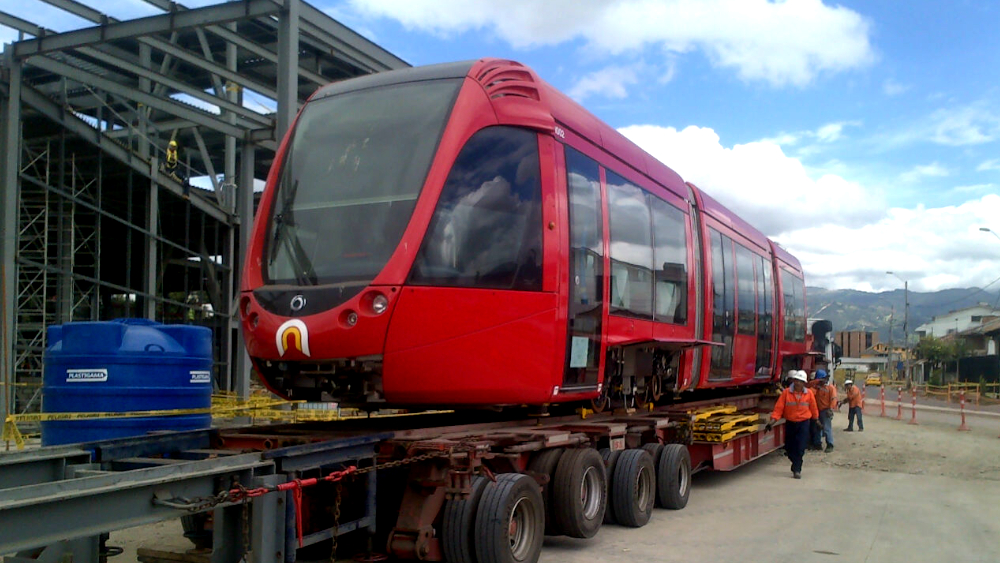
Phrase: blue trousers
x=855 y=412
x=826 y=429
x=796 y=440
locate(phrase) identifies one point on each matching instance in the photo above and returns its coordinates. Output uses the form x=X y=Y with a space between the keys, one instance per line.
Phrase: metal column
x=11 y=143
x=244 y=210
x=288 y=64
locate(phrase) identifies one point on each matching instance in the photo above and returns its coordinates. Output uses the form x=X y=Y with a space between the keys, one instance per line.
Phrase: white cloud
x=955 y=125
x=610 y=82
x=892 y=88
x=989 y=165
x=933 y=248
x=780 y=43
x=975 y=189
x=773 y=191
x=920 y=171
x=838 y=228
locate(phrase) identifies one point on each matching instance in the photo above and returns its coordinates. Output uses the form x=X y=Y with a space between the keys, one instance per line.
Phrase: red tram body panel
x=466 y=235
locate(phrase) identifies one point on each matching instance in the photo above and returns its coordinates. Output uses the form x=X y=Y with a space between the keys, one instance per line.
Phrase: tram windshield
x=350 y=180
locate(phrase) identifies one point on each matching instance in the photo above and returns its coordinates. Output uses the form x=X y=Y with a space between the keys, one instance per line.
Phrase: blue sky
x=861 y=135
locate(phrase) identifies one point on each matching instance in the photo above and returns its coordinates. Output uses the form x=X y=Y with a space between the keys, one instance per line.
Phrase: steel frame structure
x=94 y=224
x=44 y=492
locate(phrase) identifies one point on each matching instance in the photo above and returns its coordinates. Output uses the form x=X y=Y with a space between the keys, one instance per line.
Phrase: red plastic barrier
x=913 y=418
x=864 y=395
x=881 y=400
x=899 y=404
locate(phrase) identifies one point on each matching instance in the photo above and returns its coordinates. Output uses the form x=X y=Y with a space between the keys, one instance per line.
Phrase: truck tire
x=635 y=488
x=654 y=451
x=674 y=477
x=510 y=522
x=579 y=493
x=610 y=458
x=544 y=463
x=458 y=524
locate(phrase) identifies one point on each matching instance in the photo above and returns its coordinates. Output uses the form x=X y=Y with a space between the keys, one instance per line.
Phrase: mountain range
x=850 y=309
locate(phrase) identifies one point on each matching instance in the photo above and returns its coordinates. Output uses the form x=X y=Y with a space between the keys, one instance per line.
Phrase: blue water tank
x=125 y=365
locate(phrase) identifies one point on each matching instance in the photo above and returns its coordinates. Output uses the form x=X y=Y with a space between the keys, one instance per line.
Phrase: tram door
x=586 y=273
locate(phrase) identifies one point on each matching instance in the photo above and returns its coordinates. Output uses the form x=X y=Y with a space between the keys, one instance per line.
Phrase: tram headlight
x=379 y=304
x=352 y=318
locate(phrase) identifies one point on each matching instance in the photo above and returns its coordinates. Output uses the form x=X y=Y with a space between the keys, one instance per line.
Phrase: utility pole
x=906 y=334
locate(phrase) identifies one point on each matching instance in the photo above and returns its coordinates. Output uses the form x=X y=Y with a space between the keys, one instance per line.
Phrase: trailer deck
x=256 y=481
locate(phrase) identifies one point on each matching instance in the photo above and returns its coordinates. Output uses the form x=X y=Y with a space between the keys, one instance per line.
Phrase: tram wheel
x=655 y=388
x=580 y=493
x=544 y=463
x=602 y=401
x=458 y=524
x=634 y=482
x=610 y=460
x=510 y=522
x=674 y=477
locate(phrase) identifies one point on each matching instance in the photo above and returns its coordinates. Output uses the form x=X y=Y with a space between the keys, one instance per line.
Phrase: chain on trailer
x=243 y=495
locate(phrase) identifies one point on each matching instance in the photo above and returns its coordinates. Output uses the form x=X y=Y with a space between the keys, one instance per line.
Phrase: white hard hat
x=848 y=382
x=799 y=376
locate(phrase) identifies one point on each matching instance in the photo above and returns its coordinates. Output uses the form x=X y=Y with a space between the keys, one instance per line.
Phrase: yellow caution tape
x=12 y=434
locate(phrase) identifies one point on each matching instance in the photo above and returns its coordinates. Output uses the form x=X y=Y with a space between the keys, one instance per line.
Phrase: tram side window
x=765 y=317
x=745 y=291
x=793 y=290
x=586 y=269
x=486 y=231
x=669 y=262
x=631 y=249
x=723 y=305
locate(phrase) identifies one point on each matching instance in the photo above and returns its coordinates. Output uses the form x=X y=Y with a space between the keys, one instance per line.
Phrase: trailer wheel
x=510 y=522
x=634 y=483
x=458 y=524
x=545 y=463
x=580 y=493
x=610 y=460
x=655 y=449
x=674 y=477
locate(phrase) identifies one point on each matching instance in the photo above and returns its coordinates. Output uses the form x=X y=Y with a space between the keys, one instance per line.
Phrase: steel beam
x=44 y=105
x=10 y=141
x=348 y=41
x=177 y=85
x=152 y=225
x=34 y=516
x=288 y=61
x=216 y=14
x=167 y=47
x=207 y=161
x=166 y=105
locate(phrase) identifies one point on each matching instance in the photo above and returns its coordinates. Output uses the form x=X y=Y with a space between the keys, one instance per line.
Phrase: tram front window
x=350 y=180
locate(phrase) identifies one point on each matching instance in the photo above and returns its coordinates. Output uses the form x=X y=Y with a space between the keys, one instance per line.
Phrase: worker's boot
x=796 y=474
x=829 y=448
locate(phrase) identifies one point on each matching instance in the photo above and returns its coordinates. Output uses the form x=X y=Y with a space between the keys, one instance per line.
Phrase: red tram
x=466 y=235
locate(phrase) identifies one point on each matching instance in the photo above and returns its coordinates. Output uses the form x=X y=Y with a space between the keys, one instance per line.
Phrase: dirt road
x=894 y=493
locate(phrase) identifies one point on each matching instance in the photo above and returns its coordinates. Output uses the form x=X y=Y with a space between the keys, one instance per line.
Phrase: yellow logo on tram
x=292 y=334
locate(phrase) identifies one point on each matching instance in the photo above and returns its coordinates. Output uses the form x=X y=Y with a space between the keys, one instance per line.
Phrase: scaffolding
x=98 y=221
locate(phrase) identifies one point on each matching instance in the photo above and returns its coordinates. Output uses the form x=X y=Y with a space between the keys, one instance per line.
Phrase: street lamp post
x=906 y=323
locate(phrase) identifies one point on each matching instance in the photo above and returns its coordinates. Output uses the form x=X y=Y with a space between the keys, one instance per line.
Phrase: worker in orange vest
x=797 y=405
x=854 y=400
x=826 y=401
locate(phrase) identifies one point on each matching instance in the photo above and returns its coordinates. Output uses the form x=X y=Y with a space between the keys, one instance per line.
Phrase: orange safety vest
x=796 y=407
x=826 y=397
x=854 y=396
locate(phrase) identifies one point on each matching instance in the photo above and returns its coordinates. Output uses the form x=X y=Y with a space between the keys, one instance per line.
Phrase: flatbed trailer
x=435 y=487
